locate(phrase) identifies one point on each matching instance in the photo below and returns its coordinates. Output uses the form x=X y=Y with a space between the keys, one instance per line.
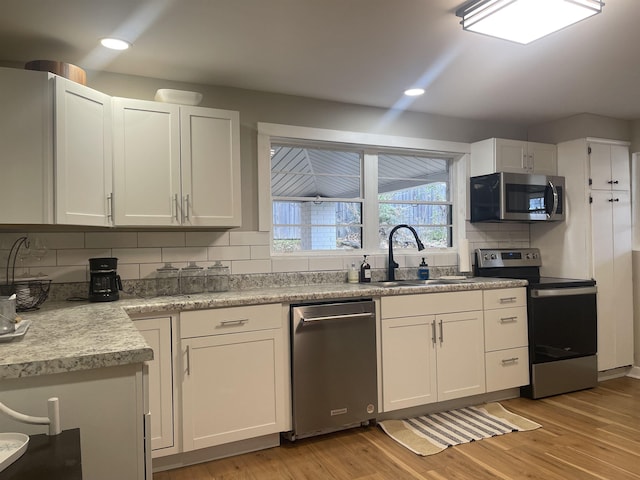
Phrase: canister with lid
x=167 y=280
x=218 y=278
x=192 y=279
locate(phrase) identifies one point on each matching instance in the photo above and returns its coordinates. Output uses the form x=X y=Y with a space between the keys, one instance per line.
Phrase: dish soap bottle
x=423 y=270
x=365 y=271
x=352 y=274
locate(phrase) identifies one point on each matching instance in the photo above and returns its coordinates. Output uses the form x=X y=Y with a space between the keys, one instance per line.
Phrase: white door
x=600 y=166
x=146 y=163
x=408 y=362
x=460 y=355
x=157 y=333
x=232 y=387
x=620 y=167
x=83 y=155
x=511 y=156
x=210 y=156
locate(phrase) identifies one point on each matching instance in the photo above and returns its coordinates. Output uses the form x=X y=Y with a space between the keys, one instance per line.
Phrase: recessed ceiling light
x=115 y=43
x=414 y=92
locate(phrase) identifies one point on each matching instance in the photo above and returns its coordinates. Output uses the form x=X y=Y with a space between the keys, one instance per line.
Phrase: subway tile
x=129 y=271
x=80 y=256
x=229 y=253
x=111 y=239
x=184 y=254
x=207 y=239
x=250 y=266
x=61 y=240
x=324 y=263
x=161 y=239
x=249 y=238
x=289 y=265
x=138 y=255
x=70 y=274
x=260 y=252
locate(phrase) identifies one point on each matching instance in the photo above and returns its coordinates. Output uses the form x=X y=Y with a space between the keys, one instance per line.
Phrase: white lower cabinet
x=506 y=338
x=233 y=374
x=431 y=348
x=158 y=334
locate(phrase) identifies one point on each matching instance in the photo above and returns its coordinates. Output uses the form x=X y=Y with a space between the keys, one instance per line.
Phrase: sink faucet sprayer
x=391 y=272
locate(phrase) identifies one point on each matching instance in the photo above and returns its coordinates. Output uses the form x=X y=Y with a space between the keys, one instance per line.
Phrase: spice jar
x=167 y=280
x=192 y=279
x=218 y=278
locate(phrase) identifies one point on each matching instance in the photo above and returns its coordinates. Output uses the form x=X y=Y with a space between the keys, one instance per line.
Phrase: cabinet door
x=210 y=159
x=26 y=162
x=460 y=355
x=611 y=219
x=408 y=362
x=146 y=163
x=157 y=333
x=543 y=158
x=511 y=156
x=233 y=387
x=83 y=158
x=620 y=167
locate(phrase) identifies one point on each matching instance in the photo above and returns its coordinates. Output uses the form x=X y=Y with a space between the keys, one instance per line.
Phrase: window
x=317 y=199
x=334 y=191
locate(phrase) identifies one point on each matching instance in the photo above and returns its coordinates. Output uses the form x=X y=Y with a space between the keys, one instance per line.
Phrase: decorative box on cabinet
x=176 y=165
x=506 y=338
x=515 y=156
x=432 y=348
x=234 y=374
x=595 y=241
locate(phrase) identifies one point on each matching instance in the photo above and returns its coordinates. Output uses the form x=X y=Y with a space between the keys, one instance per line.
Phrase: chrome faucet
x=391 y=268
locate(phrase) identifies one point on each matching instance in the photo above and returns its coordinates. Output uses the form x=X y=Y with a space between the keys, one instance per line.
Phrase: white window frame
x=368 y=142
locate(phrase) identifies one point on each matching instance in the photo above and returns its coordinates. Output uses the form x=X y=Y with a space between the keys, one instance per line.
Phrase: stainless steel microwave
x=519 y=197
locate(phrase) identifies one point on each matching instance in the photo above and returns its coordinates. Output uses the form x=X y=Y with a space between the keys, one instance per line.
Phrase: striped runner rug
x=433 y=433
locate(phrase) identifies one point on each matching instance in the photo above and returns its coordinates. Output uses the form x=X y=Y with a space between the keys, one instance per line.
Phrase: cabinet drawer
x=507 y=368
x=219 y=321
x=430 y=303
x=505 y=297
x=505 y=328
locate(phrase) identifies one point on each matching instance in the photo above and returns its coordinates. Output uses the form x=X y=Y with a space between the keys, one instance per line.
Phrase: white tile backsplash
x=161 y=239
x=129 y=271
x=111 y=240
x=229 y=253
x=184 y=254
x=207 y=239
x=250 y=266
x=325 y=264
x=137 y=255
x=290 y=265
x=249 y=238
x=80 y=256
x=260 y=252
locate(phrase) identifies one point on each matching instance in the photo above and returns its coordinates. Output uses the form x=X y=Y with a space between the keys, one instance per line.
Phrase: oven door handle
x=562 y=292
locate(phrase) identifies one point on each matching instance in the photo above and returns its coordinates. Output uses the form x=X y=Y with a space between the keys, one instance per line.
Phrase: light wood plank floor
x=592 y=434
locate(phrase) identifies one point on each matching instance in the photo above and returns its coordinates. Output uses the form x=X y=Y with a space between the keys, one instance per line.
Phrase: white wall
x=581 y=126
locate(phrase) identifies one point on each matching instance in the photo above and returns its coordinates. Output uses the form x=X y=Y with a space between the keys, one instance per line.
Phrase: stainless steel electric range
x=562 y=322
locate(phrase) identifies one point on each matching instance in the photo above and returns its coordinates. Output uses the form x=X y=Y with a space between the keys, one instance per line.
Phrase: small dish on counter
x=12 y=447
x=19 y=332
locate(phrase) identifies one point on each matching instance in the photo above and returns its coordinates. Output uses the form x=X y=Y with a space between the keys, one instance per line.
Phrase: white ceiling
x=356 y=51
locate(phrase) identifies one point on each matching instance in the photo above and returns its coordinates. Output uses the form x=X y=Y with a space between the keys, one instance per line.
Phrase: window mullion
x=370 y=217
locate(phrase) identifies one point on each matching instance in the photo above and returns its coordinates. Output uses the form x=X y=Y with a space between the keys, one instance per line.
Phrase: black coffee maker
x=105 y=281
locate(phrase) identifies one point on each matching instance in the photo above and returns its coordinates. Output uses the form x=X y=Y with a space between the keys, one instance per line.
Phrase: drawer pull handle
x=188 y=361
x=234 y=323
x=433 y=332
x=508 y=319
x=508 y=299
x=510 y=360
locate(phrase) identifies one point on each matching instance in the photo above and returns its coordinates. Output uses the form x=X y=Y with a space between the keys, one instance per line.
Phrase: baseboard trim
x=634 y=373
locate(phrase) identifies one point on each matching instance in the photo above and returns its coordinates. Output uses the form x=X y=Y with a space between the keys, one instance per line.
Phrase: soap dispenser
x=365 y=271
x=423 y=270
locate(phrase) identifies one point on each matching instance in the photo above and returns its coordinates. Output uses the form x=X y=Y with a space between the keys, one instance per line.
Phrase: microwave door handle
x=554 y=191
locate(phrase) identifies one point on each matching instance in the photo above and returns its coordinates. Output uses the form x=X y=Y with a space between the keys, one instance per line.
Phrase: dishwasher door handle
x=336 y=317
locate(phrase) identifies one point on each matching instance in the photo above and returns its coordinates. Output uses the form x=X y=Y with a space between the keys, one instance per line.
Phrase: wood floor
x=592 y=434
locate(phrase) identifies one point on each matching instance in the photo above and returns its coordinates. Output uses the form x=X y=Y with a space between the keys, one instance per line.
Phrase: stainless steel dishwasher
x=333 y=366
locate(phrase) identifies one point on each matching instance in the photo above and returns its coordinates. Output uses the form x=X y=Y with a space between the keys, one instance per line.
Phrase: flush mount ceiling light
x=115 y=43
x=524 y=21
x=414 y=92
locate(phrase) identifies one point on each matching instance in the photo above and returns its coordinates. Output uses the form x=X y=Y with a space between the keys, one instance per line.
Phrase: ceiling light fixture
x=414 y=92
x=115 y=43
x=524 y=21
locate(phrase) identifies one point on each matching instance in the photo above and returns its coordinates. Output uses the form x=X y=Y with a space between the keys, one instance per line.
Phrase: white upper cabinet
x=175 y=165
x=609 y=166
x=514 y=156
x=83 y=159
x=26 y=162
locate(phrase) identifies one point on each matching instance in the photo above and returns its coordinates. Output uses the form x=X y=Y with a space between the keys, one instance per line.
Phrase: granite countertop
x=69 y=336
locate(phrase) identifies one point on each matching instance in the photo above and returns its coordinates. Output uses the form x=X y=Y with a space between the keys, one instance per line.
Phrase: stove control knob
x=528 y=256
x=485 y=256
x=534 y=255
x=494 y=256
